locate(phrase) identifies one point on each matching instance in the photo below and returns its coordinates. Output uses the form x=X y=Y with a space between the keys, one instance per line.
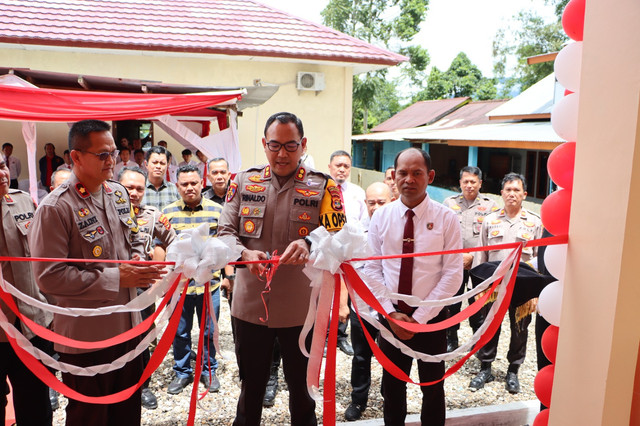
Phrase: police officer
x=90 y=217
x=157 y=234
x=30 y=395
x=510 y=224
x=273 y=208
x=471 y=208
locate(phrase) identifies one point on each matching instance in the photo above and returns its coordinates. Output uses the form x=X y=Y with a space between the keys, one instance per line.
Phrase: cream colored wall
x=600 y=329
x=326 y=115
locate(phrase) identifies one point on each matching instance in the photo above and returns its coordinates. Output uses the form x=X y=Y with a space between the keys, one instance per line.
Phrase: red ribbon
x=54 y=337
x=486 y=336
x=52 y=381
x=329 y=408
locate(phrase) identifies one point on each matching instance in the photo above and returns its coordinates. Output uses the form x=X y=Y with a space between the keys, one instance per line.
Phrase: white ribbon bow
x=197 y=255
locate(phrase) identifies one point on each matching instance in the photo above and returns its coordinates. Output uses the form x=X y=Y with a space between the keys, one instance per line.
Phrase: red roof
x=420 y=114
x=228 y=27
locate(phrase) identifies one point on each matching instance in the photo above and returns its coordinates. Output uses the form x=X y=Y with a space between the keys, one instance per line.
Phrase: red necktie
x=205 y=174
x=406 y=264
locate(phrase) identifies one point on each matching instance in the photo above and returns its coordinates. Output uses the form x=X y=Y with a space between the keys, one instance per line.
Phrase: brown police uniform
x=153 y=225
x=30 y=395
x=71 y=223
x=264 y=215
x=471 y=215
x=498 y=228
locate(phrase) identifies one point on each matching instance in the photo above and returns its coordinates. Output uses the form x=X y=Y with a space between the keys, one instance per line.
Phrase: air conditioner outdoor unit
x=310 y=81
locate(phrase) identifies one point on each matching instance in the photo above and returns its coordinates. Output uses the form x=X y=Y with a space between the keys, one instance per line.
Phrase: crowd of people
x=105 y=205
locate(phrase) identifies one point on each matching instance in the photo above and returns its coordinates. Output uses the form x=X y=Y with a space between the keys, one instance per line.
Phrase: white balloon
x=567 y=66
x=564 y=117
x=550 y=302
x=555 y=259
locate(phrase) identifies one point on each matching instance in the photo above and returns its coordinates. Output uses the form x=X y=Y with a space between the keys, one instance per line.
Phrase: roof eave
x=366 y=61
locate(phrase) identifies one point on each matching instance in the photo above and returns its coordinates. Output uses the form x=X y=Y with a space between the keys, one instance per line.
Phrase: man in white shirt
x=414 y=223
x=13 y=164
x=356 y=211
x=125 y=161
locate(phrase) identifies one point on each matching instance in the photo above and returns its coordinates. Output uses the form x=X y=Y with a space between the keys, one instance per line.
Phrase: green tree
x=374 y=22
x=463 y=78
x=529 y=36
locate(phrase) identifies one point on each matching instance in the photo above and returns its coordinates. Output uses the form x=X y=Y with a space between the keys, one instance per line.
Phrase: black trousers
x=254 y=349
x=122 y=413
x=361 y=361
x=517 y=345
x=30 y=396
x=394 y=391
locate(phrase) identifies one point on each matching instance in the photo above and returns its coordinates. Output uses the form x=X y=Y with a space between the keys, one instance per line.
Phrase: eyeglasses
x=289 y=146
x=102 y=156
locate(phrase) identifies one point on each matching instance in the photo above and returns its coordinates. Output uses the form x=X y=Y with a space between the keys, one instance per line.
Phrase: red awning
x=53 y=105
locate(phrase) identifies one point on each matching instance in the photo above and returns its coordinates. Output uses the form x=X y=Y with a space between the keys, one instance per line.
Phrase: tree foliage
x=382 y=23
x=463 y=78
x=529 y=36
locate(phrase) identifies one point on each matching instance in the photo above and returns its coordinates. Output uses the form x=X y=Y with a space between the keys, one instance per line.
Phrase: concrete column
x=600 y=324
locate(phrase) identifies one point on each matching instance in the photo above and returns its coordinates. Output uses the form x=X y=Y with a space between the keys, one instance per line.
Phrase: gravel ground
x=219 y=408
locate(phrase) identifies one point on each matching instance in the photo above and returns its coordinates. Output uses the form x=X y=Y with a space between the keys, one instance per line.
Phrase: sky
x=450 y=27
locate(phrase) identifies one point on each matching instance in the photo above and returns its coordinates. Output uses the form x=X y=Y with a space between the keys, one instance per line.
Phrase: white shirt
x=14 y=167
x=434 y=277
x=354 y=207
x=121 y=165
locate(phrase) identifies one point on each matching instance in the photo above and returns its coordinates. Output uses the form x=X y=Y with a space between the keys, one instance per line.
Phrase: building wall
x=326 y=115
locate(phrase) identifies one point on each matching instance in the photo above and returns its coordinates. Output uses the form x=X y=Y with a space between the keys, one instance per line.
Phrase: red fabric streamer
x=329 y=409
x=54 y=105
x=270 y=272
x=52 y=381
x=54 y=337
x=486 y=336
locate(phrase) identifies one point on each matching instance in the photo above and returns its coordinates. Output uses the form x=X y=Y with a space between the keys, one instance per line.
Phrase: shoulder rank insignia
x=7 y=198
x=267 y=172
x=121 y=200
x=81 y=190
x=231 y=192
x=300 y=174
x=307 y=192
x=255 y=188
x=304 y=216
x=256 y=179
x=118 y=193
x=83 y=212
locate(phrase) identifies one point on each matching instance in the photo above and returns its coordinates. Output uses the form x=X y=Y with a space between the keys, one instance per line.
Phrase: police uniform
x=153 y=226
x=30 y=395
x=71 y=223
x=498 y=228
x=471 y=214
x=263 y=214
